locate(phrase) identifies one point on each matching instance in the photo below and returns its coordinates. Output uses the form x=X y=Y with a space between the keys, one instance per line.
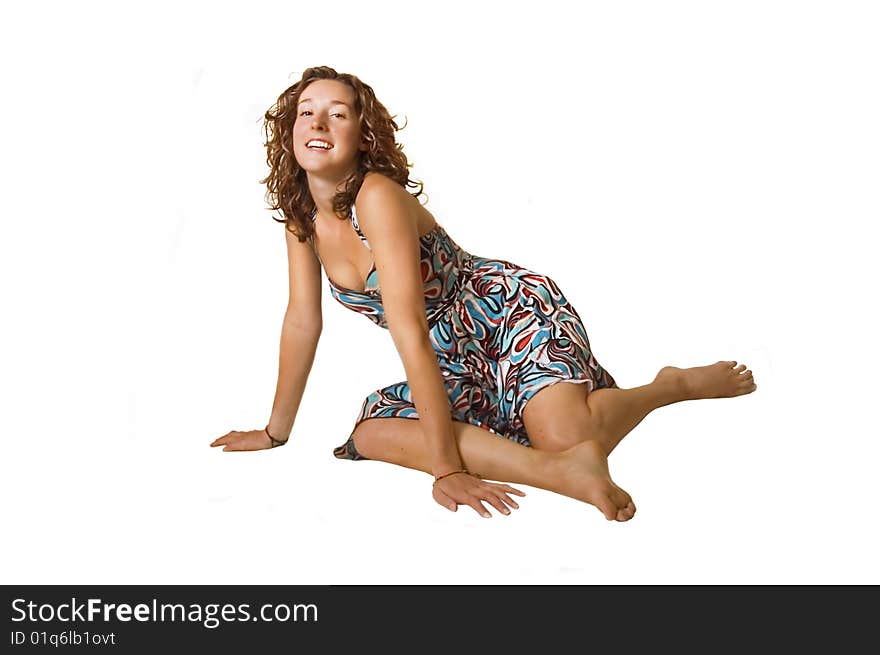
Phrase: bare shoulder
x=381 y=196
x=378 y=188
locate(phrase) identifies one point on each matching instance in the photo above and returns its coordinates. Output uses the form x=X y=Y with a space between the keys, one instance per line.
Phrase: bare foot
x=719 y=380
x=583 y=474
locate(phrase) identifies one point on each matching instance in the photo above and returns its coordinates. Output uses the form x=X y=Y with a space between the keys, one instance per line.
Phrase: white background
x=700 y=178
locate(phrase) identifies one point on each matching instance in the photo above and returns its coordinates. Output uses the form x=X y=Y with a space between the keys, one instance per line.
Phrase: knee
x=366 y=437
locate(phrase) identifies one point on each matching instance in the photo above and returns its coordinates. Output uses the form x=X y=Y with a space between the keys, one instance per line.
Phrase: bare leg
x=580 y=472
x=618 y=411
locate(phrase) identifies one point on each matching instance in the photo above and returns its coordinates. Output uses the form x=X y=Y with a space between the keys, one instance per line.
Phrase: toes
x=739 y=369
x=607 y=507
x=626 y=513
x=616 y=504
x=624 y=504
x=746 y=389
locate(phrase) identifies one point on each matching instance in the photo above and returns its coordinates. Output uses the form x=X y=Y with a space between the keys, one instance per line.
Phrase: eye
x=306 y=111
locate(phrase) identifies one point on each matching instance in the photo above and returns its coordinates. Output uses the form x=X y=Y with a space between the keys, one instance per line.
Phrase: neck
x=323 y=188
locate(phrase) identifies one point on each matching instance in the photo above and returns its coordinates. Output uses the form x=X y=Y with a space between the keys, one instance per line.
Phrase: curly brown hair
x=287 y=187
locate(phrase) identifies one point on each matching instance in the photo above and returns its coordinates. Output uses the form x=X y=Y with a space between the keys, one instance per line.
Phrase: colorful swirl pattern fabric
x=501 y=334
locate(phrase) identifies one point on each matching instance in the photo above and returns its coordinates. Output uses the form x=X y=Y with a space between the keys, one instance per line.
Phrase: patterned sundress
x=501 y=333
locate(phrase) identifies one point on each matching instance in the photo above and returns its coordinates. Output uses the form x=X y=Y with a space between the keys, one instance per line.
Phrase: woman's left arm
x=384 y=218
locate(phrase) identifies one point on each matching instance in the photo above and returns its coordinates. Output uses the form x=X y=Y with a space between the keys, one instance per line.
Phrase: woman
x=483 y=341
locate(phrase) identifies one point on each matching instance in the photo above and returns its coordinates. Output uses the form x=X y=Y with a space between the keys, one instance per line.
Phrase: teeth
x=319 y=144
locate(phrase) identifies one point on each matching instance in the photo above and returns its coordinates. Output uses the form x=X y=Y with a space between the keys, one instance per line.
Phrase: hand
x=467 y=489
x=250 y=440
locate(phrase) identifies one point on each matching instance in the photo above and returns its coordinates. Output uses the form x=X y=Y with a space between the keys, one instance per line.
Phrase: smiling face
x=326 y=114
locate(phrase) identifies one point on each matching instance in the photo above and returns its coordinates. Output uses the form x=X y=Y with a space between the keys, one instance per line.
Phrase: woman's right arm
x=300 y=333
x=298 y=346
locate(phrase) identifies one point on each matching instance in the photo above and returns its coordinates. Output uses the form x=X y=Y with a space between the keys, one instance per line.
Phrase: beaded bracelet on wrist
x=275 y=442
x=437 y=478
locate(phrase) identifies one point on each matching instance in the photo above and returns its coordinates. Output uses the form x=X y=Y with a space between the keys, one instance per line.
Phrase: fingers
x=444 y=500
x=229 y=441
x=494 y=499
x=502 y=497
x=250 y=440
x=220 y=441
x=479 y=508
x=492 y=493
x=234 y=441
x=510 y=490
x=234 y=444
x=496 y=495
x=510 y=501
